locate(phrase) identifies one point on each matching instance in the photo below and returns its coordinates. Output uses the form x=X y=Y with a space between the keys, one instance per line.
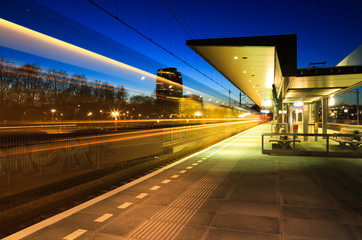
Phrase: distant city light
x=267 y=103
x=298 y=104
x=331 y=101
x=115 y=114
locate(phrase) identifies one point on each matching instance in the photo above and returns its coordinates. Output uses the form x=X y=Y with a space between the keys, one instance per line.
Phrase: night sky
x=326 y=30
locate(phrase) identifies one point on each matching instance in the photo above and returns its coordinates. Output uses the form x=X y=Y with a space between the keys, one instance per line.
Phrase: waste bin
x=295 y=128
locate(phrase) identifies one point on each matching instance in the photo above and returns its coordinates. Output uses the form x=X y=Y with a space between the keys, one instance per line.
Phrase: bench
x=283 y=142
x=354 y=141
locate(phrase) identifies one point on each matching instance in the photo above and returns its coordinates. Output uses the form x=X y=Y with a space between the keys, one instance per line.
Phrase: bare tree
x=58 y=83
x=6 y=78
x=121 y=96
x=32 y=83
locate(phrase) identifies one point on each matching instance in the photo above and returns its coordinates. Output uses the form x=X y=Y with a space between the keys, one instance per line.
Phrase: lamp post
x=90 y=118
x=115 y=115
x=53 y=111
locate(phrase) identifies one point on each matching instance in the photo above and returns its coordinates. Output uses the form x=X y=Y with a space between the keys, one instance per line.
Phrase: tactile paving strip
x=169 y=221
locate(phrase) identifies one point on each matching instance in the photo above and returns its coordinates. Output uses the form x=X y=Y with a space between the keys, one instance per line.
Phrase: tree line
x=29 y=93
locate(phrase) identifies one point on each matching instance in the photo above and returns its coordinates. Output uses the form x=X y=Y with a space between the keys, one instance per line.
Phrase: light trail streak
x=145 y=134
x=13 y=36
x=150 y=120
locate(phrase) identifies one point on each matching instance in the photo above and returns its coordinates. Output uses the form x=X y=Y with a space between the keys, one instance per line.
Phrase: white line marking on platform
x=182 y=171
x=125 y=205
x=189 y=167
x=175 y=176
x=204 y=158
x=155 y=188
x=199 y=161
x=75 y=234
x=142 y=195
x=195 y=164
x=49 y=221
x=166 y=181
x=104 y=217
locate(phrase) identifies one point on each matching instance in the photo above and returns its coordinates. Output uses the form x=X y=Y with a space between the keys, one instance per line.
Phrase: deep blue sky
x=326 y=30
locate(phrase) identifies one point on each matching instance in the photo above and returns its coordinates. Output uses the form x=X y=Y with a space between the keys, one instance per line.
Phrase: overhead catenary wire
x=157 y=44
x=174 y=10
x=178 y=21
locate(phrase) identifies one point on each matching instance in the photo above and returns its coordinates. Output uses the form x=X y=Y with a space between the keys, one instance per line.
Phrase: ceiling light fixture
x=236 y=57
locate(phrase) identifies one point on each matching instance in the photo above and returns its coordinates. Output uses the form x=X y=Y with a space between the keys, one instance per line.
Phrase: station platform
x=227 y=191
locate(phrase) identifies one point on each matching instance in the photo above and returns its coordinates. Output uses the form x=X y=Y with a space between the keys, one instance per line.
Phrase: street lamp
x=53 y=111
x=115 y=115
x=90 y=118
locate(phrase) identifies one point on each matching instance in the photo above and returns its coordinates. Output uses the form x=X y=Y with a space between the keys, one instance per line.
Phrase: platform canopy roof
x=254 y=64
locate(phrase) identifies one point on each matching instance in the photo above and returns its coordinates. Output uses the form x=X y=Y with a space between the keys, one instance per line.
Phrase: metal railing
x=322 y=147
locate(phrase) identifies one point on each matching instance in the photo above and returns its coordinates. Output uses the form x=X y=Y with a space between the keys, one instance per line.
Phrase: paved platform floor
x=229 y=191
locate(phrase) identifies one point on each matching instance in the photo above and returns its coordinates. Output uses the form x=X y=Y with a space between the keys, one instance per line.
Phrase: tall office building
x=168 y=83
x=168 y=90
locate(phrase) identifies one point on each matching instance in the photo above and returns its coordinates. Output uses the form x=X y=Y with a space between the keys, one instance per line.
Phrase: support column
x=324 y=115
x=287 y=118
x=280 y=115
x=357 y=107
x=305 y=116
x=316 y=117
